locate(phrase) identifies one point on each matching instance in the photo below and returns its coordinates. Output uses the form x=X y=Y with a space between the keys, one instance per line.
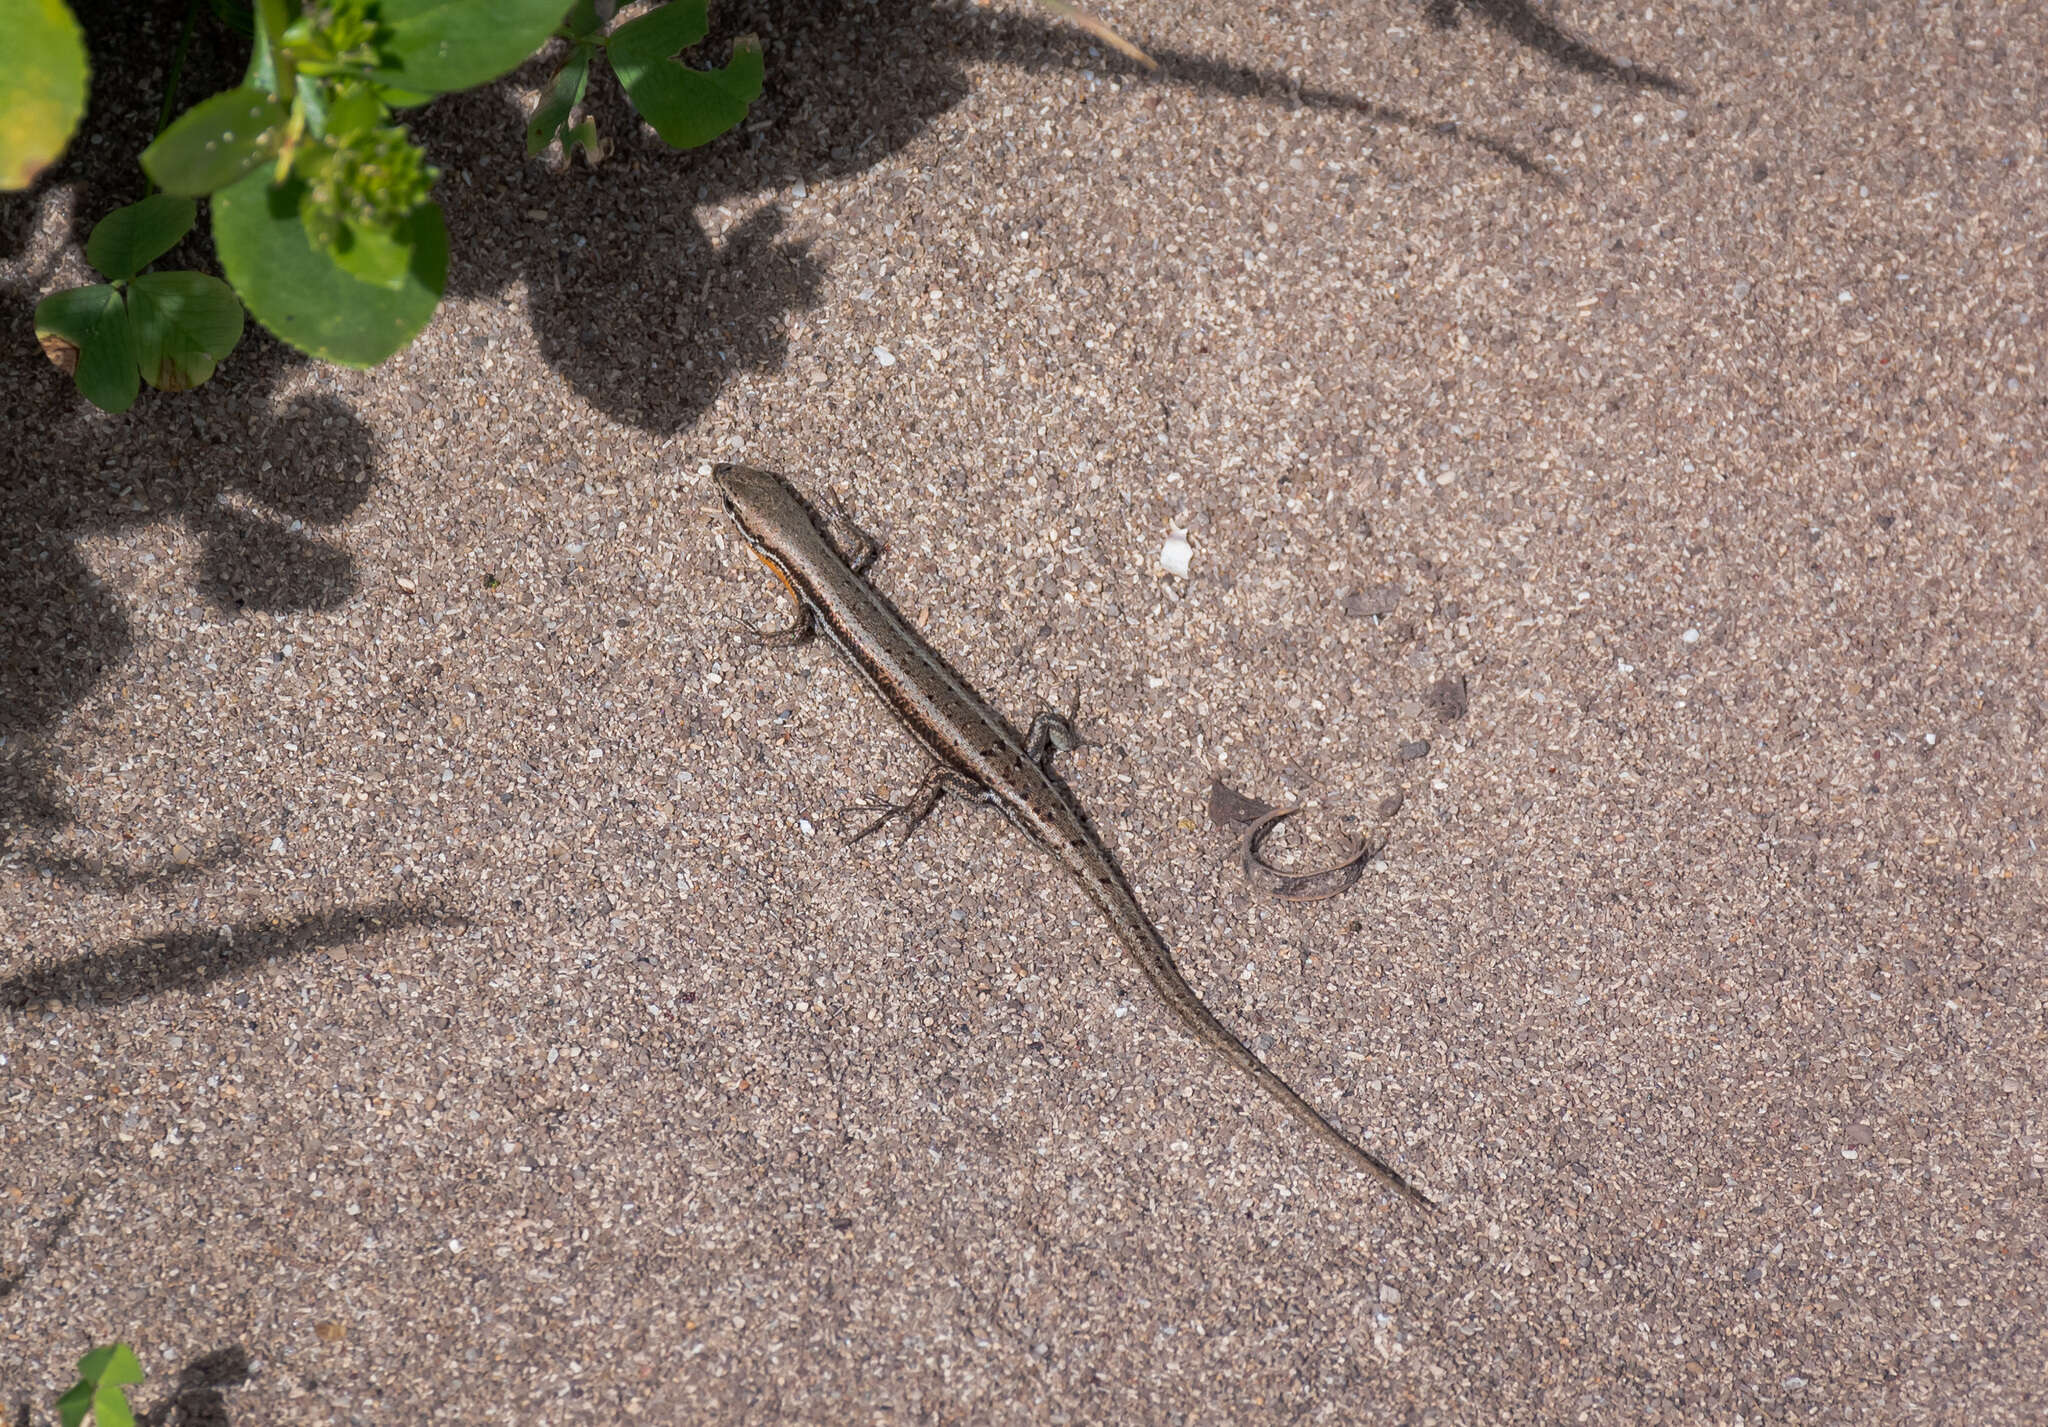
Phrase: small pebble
x=1176 y=554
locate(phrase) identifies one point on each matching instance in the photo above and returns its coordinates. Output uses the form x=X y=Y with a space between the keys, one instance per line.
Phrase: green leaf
x=215 y=142
x=443 y=45
x=85 y=331
x=583 y=21
x=353 y=107
x=74 y=1404
x=110 y=1408
x=185 y=324
x=101 y=1375
x=129 y=239
x=403 y=98
x=379 y=255
x=562 y=96
x=113 y=1365
x=42 y=87
x=690 y=107
x=660 y=34
x=298 y=291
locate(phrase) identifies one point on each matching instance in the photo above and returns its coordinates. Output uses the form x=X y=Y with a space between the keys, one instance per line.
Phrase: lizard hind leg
x=913 y=810
x=798 y=631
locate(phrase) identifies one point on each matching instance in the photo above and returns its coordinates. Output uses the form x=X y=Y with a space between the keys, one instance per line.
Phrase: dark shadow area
x=39 y=1249
x=849 y=85
x=90 y=874
x=200 y=1398
x=1518 y=20
x=186 y=961
x=252 y=482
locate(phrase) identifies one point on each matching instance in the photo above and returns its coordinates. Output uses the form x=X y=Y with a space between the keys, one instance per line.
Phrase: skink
x=977 y=753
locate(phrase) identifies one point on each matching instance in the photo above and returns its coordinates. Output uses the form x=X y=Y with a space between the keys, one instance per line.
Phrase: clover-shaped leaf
x=168 y=329
x=129 y=239
x=84 y=330
x=184 y=324
x=98 y=1394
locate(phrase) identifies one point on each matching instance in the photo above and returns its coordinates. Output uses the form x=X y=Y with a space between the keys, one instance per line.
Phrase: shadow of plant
x=189 y=960
x=1518 y=20
x=851 y=83
x=200 y=1397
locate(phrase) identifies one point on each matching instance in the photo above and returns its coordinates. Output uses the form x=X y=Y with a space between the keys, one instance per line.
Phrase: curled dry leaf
x=1317 y=886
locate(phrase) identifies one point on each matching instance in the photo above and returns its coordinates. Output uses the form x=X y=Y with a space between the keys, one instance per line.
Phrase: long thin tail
x=1149 y=950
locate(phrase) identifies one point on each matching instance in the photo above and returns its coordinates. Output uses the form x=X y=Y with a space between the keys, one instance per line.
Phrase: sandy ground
x=435 y=984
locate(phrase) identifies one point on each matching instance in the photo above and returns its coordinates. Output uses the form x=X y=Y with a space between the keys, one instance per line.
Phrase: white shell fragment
x=1175 y=554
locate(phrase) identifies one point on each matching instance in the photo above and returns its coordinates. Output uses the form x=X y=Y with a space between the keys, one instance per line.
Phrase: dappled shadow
x=1216 y=77
x=849 y=85
x=189 y=960
x=91 y=874
x=41 y=1245
x=633 y=303
x=200 y=1397
x=253 y=481
x=1518 y=20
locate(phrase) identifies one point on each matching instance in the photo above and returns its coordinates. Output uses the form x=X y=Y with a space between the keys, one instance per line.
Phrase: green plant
x=103 y=1374
x=169 y=329
x=321 y=203
x=42 y=92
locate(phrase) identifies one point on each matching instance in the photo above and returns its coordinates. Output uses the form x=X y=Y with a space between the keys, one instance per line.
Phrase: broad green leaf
x=659 y=34
x=582 y=21
x=129 y=239
x=85 y=331
x=215 y=142
x=74 y=1404
x=689 y=107
x=42 y=87
x=185 y=324
x=299 y=292
x=443 y=45
x=562 y=96
x=353 y=106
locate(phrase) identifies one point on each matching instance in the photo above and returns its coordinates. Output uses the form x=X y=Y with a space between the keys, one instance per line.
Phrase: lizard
x=976 y=753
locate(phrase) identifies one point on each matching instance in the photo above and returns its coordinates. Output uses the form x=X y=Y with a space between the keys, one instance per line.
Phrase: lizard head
x=757 y=501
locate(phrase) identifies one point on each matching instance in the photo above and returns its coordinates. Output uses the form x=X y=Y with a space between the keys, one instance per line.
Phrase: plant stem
x=163 y=116
x=275 y=18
